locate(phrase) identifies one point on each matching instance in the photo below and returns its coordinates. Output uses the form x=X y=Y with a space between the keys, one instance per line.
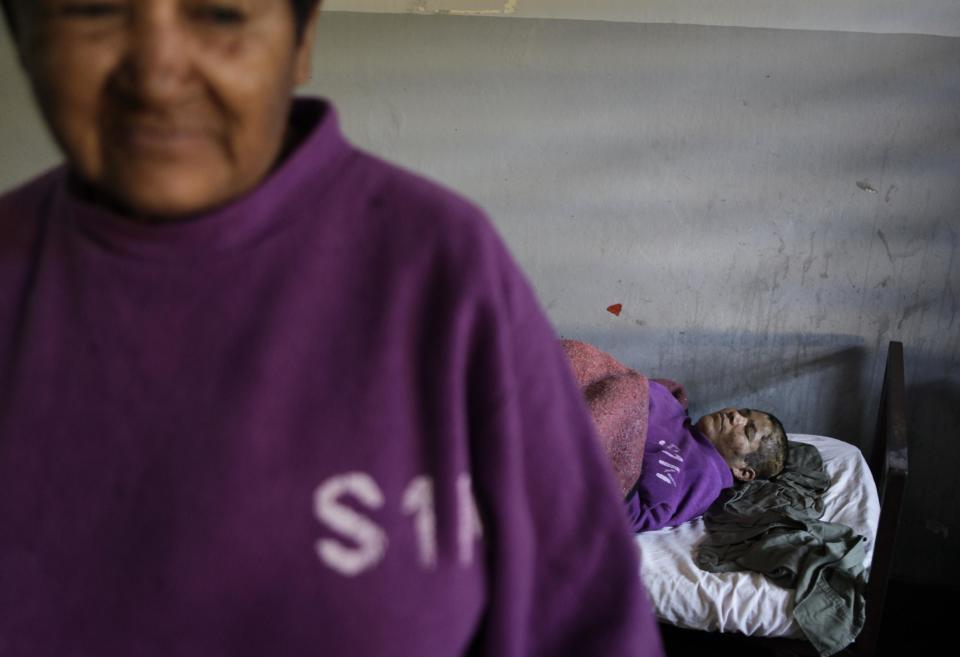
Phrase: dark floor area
x=918 y=619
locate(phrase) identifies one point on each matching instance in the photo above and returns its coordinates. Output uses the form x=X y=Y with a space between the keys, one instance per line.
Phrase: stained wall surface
x=769 y=206
x=938 y=17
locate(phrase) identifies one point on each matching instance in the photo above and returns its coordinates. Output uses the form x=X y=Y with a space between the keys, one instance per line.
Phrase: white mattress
x=686 y=596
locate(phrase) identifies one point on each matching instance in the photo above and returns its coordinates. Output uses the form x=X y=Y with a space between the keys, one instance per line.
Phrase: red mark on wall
x=615 y=309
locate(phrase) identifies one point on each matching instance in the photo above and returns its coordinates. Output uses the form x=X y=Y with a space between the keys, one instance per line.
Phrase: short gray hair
x=771 y=456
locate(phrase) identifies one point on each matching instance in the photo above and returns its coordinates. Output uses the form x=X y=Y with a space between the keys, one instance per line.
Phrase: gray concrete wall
x=938 y=17
x=769 y=206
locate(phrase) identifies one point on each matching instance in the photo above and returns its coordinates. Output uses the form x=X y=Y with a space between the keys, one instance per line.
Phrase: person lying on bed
x=671 y=469
x=686 y=465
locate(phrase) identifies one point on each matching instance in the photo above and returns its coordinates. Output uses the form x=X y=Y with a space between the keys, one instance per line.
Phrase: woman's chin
x=165 y=200
x=705 y=425
x=700 y=424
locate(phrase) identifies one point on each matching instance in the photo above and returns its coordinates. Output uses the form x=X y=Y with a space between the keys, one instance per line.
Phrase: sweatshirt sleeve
x=682 y=472
x=563 y=572
x=681 y=479
x=645 y=517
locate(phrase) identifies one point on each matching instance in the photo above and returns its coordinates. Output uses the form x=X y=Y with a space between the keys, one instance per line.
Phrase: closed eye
x=90 y=9
x=220 y=14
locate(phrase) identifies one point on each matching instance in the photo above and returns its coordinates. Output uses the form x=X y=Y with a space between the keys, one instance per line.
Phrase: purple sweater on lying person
x=667 y=471
x=682 y=471
x=328 y=418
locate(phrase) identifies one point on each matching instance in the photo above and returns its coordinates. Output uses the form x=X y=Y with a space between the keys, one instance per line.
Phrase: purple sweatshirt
x=326 y=419
x=683 y=473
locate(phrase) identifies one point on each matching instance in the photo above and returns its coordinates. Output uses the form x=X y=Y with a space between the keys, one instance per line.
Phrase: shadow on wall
x=931 y=514
x=819 y=384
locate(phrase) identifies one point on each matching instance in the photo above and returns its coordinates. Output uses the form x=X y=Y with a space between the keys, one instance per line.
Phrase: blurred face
x=165 y=108
x=736 y=433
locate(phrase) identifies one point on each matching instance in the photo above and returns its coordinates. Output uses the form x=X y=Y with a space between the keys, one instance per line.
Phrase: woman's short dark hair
x=301 y=13
x=8 y=15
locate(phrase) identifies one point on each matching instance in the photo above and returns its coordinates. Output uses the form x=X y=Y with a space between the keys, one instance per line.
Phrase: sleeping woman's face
x=736 y=433
x=165 y=108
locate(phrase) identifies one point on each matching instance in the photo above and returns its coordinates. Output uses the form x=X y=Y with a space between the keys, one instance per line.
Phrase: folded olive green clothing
x=773 y=527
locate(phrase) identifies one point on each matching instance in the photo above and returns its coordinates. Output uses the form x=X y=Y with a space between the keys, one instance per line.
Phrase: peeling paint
x=809 y=260
x=911 y=310
x=883 y=238
x=509 y=7
x=825 y=274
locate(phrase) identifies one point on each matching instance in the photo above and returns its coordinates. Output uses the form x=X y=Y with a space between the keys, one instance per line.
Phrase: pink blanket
x=618 y=399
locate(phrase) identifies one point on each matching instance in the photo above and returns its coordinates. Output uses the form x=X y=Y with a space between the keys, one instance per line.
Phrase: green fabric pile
x=773 y=527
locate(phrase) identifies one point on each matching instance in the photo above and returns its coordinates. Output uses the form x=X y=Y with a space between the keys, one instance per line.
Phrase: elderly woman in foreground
x=263 y=394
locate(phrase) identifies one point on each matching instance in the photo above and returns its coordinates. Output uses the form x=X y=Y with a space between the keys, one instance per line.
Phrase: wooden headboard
x=889 y=463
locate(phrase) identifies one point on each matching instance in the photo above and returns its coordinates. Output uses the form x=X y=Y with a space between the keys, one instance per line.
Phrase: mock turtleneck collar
x=239 y=223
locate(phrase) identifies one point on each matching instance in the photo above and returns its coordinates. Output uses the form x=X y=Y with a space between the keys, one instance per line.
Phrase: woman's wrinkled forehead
x=13 y=10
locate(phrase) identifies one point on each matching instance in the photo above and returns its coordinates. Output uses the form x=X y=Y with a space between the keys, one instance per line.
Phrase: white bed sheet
x=686 y=596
